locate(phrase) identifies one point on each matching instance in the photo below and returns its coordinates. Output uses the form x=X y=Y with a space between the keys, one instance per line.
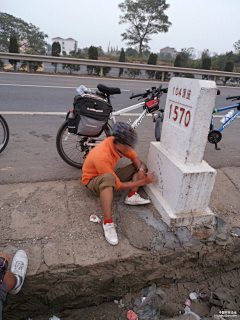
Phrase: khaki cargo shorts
x=99 y=183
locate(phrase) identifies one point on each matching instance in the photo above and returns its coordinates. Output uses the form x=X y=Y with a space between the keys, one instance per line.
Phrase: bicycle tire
x=158 y=128
x=69 y=145
x=4 y=134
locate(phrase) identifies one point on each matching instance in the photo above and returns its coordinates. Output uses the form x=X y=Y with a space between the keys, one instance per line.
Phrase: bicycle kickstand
x=216 y=146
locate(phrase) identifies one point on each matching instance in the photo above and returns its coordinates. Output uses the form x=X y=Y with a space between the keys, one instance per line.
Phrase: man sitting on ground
x=100 y=179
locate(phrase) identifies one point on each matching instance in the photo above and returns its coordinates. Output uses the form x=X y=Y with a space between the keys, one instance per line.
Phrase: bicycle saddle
x=108 y=90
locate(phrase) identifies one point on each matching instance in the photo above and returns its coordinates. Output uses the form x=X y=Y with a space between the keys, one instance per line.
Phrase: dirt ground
x=222 y=289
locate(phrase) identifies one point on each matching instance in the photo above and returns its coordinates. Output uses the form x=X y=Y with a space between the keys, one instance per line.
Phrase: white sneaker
x=136 y=199
x=19 y=269
x=110 y=233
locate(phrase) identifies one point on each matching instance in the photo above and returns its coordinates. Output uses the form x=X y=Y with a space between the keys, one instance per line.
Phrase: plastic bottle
x=71 y=115
x=227 y=116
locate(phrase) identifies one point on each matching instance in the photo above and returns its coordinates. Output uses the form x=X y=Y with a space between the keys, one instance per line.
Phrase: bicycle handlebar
x=148 y=91
x=233 y=97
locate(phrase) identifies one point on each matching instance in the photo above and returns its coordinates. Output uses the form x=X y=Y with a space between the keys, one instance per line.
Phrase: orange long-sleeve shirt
x=103 y=159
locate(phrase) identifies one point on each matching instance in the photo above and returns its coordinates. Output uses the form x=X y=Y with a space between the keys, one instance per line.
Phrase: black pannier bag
x=94 y=113
x=73 y=121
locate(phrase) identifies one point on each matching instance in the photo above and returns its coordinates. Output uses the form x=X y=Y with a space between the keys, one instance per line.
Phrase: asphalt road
x=31 y=154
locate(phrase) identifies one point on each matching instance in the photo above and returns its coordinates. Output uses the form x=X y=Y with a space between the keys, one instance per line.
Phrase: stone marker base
x=182 y=192
x=177 y=220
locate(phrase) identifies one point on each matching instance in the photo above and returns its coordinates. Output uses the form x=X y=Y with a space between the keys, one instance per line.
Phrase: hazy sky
x=201 y=24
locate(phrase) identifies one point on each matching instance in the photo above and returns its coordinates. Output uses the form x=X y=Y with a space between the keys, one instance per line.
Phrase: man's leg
x=106 y=197
x=10 y=280
x=4 y=260
x=138 y=176
x=103 y=185
x=130 y=173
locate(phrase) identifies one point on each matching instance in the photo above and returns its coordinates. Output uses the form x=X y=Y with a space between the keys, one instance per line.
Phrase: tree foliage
x=121 y=59
x=159 y=75
x=178 y=61
x=27 y=34
x=146 y=18
x=13 y=48
x=186 y=54
x=130 y=52
x=71 y=67
x=178 y=64
x=133 y=73
x=56 y=50
x=237 y=47
x=206 y=62
x=1 y=64
x=93 y=55
x=229 y=68
x=153 y=61
x=33 y=65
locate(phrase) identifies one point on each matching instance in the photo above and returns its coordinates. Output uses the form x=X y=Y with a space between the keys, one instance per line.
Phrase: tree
x=71 y=67
x=153 y=61
x=132 y=73
x=13 y=48
x=178 y=64
x=237 y=47
x=146 y=17
x=56 y=50
x=206 y=62
x=146 y=53
x=186 y=54
x=93 y=55
x=130 y=52
x=33 y=65
x=121 y=59
x=178 y=61
x=100 y=51
x=159 y=75
x=1 y=64
x=27 y=34
x=229 y=68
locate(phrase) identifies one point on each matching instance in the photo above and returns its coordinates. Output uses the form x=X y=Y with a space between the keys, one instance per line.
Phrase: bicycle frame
x=128 y=109
x=114 y=114
x=229 y=120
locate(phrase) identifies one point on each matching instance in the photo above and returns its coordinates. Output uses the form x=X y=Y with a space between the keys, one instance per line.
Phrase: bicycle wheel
x=4 y=133
x=158 y=127
x=74 y=148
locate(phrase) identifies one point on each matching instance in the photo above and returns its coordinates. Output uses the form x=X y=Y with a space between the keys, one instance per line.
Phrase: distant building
x=67 y=45
x=168 y=51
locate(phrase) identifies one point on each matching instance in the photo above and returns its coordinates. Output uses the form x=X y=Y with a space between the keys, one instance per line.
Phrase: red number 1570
x=179 y=113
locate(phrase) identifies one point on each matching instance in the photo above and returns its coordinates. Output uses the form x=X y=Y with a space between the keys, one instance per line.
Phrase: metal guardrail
x=114 y=64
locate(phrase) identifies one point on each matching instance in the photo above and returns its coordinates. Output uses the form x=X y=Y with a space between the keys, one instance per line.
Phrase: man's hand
x=149 y=178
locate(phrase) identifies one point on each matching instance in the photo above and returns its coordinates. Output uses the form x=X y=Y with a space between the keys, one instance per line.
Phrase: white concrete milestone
x=185 y=182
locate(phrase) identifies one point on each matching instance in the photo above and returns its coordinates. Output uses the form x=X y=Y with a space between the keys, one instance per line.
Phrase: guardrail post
x=185 y=182
x=162 y=76
x=28 y=67
x=101 y=71
x=214 y=78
